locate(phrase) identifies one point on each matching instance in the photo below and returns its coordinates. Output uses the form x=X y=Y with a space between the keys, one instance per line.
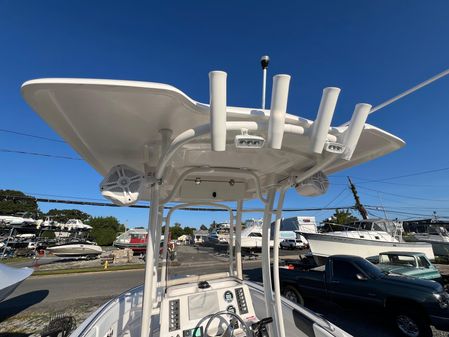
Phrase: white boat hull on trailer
x=324 y=245
x=76 y=250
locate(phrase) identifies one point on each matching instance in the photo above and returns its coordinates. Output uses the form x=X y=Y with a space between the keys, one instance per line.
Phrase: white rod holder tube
x=320 y=127
x=279 y=98
x=217 y=91
x=355 y=128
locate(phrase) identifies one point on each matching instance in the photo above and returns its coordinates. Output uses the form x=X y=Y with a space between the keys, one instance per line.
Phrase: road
x=57 y=293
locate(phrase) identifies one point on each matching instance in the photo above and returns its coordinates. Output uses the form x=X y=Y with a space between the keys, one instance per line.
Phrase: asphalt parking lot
x=28 y=308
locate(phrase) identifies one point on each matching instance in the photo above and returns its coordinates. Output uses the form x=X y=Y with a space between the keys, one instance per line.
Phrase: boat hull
x=440 y=248
x=133 y=246
x=323 y=246
x=10 y=279
x=75 y=250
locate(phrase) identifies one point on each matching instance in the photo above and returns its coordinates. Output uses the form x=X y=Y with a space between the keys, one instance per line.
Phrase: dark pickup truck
x=412 y=304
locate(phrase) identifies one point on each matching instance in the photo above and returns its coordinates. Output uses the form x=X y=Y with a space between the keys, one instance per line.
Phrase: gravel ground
x=32 y=322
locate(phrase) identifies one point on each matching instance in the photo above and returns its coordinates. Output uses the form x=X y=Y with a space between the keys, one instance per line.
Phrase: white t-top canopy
x=112 y=122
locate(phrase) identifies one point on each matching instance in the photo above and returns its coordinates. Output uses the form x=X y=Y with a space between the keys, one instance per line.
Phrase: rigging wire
x=410 y=91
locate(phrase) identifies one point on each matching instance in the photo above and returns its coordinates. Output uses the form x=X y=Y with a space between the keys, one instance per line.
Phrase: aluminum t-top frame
x=272 y=299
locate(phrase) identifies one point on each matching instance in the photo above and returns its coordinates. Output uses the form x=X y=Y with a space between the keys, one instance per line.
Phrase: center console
x=187 y=308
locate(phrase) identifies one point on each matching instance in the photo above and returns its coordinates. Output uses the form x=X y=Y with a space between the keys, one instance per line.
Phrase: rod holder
x=217 y=92
x=323 y=120
x=279 y=98
x=355 y=128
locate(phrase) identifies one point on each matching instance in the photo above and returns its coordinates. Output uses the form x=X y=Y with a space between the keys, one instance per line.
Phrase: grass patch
x=10 y=260
x=87 y=270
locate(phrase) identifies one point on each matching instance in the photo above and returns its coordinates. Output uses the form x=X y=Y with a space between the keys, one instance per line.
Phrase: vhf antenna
x=264 y=60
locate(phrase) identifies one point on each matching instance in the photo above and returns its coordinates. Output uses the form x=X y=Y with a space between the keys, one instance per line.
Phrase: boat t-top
x=151 y=142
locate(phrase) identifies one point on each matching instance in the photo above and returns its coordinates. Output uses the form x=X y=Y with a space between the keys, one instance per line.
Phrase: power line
x=366 y=181
x=39 y=154
x=405 y=196
x=376 y=208
x=32 y=136
x=106 y=204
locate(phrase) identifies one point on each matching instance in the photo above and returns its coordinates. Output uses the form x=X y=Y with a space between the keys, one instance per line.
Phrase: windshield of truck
x=370 y=269
x=398 y=260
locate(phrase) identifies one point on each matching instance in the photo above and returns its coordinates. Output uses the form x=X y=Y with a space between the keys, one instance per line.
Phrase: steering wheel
x=244 y=326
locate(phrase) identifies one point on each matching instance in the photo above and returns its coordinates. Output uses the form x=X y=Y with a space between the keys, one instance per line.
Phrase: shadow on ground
x=13 y=334
x=15 y=305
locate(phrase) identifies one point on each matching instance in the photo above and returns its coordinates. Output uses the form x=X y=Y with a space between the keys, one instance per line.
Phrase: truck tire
x=410 y=323
x=293 y=294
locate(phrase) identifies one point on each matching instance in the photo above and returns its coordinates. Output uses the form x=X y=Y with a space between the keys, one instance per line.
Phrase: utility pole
x=358 y=205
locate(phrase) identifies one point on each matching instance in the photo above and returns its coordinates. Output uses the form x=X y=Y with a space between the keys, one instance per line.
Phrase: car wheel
x=292 y=294
x=409 y=323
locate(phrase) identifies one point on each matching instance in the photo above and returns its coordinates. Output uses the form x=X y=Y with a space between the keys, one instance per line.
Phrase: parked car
x=409 y=264
x=292 y=244
x=413 y=305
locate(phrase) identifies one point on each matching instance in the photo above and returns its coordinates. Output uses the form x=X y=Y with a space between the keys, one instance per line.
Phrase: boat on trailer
x=76 y=248
x=366 y=238
x=152 y=142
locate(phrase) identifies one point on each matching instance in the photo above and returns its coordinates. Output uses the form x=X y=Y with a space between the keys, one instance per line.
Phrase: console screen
x=203 y=304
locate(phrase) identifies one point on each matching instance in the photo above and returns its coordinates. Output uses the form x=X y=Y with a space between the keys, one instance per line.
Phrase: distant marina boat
x=365 y=238
x=135 y=239
x=432 y=231
x=76 y=249
x=22 y=219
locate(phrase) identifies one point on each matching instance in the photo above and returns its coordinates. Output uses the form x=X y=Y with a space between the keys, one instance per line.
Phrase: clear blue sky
x=372 y=50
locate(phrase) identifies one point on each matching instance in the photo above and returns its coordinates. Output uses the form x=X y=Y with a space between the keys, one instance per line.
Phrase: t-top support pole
x=238 y=239
x=231 y=244
x=277 y=286
x=266 y=273
x=147 y=305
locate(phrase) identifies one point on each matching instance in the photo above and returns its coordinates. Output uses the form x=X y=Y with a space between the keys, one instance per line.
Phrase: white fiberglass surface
x=122 y=317
x=116 y=122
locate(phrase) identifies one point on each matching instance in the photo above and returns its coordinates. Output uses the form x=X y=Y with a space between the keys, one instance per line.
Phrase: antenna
x=264 y=60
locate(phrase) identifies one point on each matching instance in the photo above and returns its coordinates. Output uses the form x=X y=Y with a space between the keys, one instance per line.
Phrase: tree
x=104 y=229
x=64 y=215
x=203 y=228
x=176 y=231
x=340 y=218
x=188 y=231
x=9 y=205
x=212 y=226
x=104 y=236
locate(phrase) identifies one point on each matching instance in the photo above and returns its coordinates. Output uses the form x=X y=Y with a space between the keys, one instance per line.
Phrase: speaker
x=313 y=186
x=122 y=185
